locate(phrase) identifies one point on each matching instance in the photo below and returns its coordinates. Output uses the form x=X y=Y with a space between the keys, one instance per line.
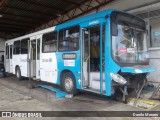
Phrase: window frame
x=7 y=52
x=68 y=29
x=27 y=39
x=14 y=47
x=38 y=50
x=11 y=51
x=44 y=44
x=150 y=41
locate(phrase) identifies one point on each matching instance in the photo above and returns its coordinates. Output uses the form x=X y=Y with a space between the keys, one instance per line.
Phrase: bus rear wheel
x=68 y=83
x=18 y=73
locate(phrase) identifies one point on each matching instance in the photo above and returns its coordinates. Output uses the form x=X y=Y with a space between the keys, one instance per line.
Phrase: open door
x=85 y=57
x=10 y=58
x=38 y=41
x=93 y=49
x=34 y=57
x=7 y=59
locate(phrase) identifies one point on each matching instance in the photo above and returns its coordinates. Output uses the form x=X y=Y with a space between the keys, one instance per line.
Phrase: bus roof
x=67 y=24
x=84 y=18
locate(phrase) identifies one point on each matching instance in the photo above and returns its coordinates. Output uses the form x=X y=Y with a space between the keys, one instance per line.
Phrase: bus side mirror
x=114 y=29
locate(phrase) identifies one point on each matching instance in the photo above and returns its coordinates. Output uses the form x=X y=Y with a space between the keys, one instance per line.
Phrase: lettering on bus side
x=70 y=56
x=47 y=60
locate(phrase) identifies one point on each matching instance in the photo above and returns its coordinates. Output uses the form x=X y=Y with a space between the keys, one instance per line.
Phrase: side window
x=11 y=51
x=49 y=42
x=69 y=39
x=38 y=49
x=17 y=48
x=7 y=52
x=24 y=46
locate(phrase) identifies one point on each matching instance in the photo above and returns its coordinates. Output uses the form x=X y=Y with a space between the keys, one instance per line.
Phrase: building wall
x=155 y=63
x=124 y=5
x=154 y=49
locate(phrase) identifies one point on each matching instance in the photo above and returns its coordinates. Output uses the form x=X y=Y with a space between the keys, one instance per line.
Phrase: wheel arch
x=63 y=72
x=16 y=67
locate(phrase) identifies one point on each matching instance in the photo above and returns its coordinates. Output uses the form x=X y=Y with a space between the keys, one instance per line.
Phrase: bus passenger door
x=7 y=60
x=32 y=56
x=85 y=57
x=93 y=49
x=10 y=58
x=38 y=41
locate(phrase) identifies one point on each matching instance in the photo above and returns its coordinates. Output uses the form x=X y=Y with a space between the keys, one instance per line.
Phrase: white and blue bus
x=104 y=52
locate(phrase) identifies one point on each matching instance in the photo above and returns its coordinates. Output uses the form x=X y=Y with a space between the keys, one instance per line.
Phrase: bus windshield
x=128 y=45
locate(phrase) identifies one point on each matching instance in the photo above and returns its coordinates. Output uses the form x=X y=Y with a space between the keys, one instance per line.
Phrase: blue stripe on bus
x=74 y=69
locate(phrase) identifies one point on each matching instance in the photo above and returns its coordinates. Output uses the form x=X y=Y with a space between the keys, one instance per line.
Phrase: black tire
x=18 y=73
x=119 y=96
x=68 y=80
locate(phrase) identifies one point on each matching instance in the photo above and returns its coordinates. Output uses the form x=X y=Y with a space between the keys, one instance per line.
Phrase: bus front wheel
x=68 y=83
x=18 y=73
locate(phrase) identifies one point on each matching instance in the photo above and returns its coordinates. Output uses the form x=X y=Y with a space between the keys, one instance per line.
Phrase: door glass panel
x=7 y=52
x=38 y=60
x=38 y=49
x=86 y=58
x=103 y=59
x=10 y=51
x=94 y=58
x=33 y=44
x=17 y=48
x=95 y=48
x=24 y=47
x=32 y=56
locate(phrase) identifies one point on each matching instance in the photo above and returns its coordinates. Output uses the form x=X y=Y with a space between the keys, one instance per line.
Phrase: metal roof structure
x=18 y=17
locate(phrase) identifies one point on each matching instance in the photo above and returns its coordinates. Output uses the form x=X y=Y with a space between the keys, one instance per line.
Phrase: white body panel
x=11 y=67
x=33 y=68
x=15 y=61
x=23 y=64
x=21 y=60
x=38 y=75
x=48 y=67
x=7 y=65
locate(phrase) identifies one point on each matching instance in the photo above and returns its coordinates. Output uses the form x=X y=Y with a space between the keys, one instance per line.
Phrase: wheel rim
x=68 y=84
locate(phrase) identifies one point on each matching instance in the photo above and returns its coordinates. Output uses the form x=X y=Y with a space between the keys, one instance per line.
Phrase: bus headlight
x=118 y=78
